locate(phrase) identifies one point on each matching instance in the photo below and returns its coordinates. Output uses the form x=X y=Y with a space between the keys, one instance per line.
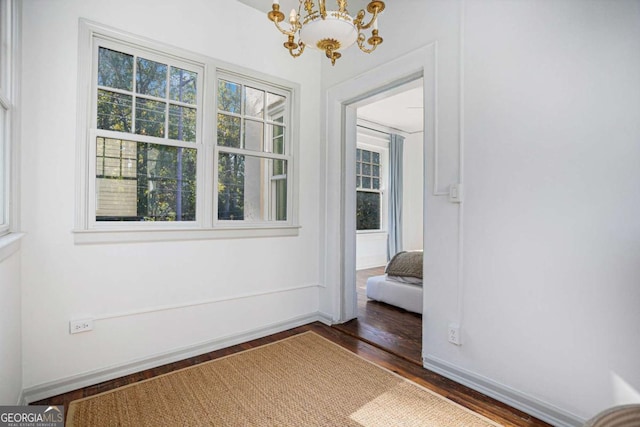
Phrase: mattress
x=403 y=295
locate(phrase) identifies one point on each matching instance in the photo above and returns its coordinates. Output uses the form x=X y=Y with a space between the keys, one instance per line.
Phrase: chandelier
x=327 y=30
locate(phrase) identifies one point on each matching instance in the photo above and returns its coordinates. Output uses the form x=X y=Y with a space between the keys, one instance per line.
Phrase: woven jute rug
x=304 y=380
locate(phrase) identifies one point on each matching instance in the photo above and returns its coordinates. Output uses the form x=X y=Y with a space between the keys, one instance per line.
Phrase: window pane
x=228 y=131
x=145 y=182
x=367 y=211
x=366 y=156
x=376 y=183
x=150 y=117
x=358 y=154
x=151 y=78
x=375 y=157
x=182 y=85
x=366 y=169
x=251 y=188
x=229 y=96
x=277 y=137
x=358 y=182
x=279 y=167
x=115 y=69
x=275 y=107
x=253 y=135
x=253 y=102
x=230 y=186
x=115 y=158
x=280 y=200
x=114 y=111
x=182 y=123
x=375 y=171
x=366 y=182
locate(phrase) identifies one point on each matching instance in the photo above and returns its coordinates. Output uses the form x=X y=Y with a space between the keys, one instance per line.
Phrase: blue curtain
x=394 y=241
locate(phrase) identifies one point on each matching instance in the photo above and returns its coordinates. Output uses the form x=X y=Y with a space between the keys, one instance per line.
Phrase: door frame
x=339 y=254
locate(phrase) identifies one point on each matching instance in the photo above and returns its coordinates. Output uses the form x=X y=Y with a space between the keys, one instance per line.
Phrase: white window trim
x=206 y=226
x=5 y=160
x=10 y=42
x=378 y=142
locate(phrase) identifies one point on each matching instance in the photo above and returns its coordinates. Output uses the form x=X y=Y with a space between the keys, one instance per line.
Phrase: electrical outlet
x=454 y=334
x=80 y=325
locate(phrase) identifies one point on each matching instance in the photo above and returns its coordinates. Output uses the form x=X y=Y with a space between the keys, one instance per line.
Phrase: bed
x=401 y=285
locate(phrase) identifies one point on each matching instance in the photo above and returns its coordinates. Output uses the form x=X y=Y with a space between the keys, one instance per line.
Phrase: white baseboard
x=371 y=262
x=53 y=388
x=325 y=318
x=532 y=406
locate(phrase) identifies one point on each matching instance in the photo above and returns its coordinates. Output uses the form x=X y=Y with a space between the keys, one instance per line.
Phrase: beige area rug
x=304 y=380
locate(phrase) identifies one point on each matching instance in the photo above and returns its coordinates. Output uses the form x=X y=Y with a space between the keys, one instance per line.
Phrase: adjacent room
x=194 y=194
x=389 y=186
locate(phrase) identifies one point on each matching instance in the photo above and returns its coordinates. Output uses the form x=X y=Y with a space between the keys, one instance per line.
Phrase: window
x=252 y=152
x=6 y=106
x=157 y=161
x=147 y=135
x=368 y=186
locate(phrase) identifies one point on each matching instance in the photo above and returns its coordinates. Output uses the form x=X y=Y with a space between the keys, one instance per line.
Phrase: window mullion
x=134 y=99
x=166 y=103
x=268 y=142
x=261 y=154
x=146 y=139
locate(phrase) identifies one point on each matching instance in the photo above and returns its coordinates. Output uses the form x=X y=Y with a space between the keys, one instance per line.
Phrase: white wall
x=10 y=326
x=371 y=249
x=429 y=21
x=552 y=213
x=63 y=280
x=551 y=220
x=413 y=188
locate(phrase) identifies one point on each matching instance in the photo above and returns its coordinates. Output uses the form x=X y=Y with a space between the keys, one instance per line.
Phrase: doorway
x=338 y=296
x=389 y=174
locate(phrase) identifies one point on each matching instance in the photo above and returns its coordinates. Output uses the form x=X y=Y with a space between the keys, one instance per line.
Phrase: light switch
x=455 y=193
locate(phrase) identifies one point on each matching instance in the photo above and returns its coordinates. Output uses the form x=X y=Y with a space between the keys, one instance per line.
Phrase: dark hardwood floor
x=467 y=397
x=382 y=334
x=393 y=329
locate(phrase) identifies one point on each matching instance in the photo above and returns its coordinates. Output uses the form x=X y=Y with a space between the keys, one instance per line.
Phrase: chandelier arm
x=361 y=26
x=299 y=52
x=285 y=32
x=323 y=8
x=361 y=45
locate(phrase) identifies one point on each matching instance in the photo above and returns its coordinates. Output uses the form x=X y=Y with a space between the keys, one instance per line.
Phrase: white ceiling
x=399 y=108
x=262 y=5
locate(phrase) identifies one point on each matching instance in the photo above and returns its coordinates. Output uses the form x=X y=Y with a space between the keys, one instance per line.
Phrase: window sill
x=371 y=232
x=87 y=237
x=9 y=244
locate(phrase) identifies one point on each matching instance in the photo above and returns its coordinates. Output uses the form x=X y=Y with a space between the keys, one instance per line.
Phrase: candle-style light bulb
x=293 y=16
x=276 y=2
x=375 y=24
